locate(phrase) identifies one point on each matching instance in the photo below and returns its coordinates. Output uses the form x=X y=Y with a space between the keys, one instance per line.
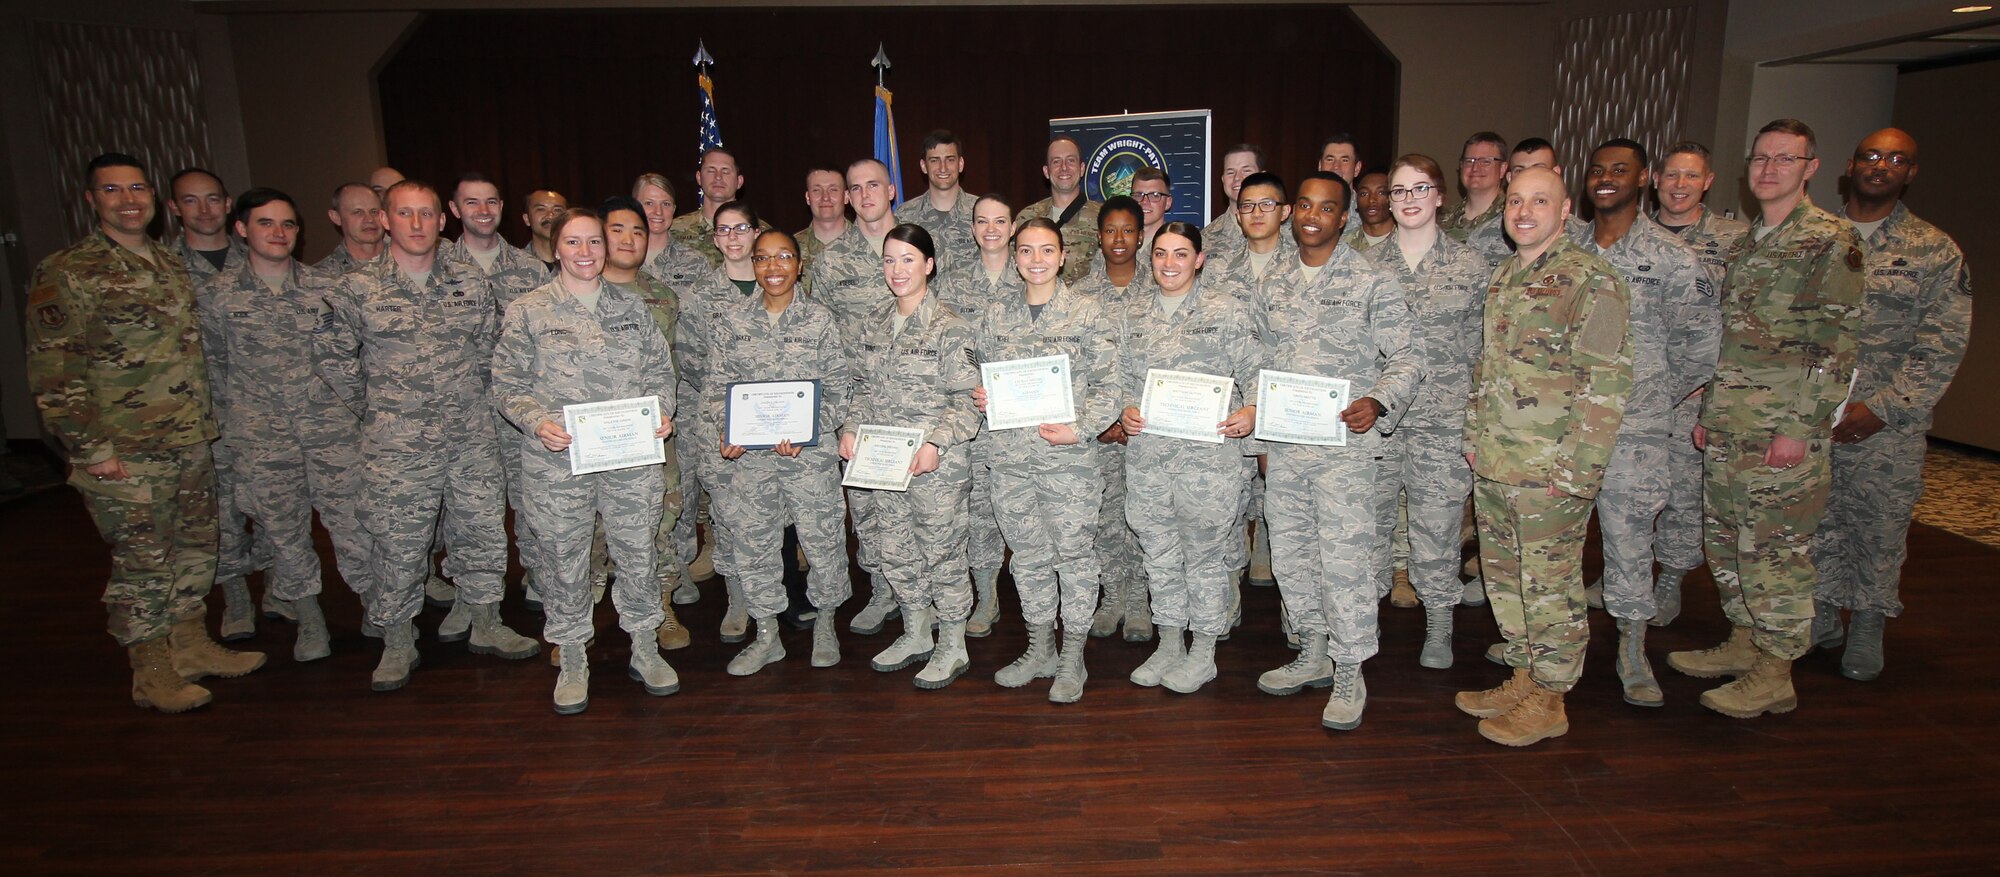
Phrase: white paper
x=882 y=457
x=763 y=413
x=1301 y=409
x=617 y=434
x=1028 y=392
x=1185 y=405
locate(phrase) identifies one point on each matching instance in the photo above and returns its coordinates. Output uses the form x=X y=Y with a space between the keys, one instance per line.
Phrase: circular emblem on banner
x=1114 y=162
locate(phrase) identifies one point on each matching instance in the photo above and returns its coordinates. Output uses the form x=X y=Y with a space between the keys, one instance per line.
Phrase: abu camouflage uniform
x=968 y=290
x=810 y=246
x=1916 y=314
x=1182 y=497
x=114 y=359
x=922 y=378
x=341 y=262
x=951 y=230
x=768 y=492
x=412 y=361
x=1119 y=563
x=1791 y=305
x=1676 y=328
x=1348 y=321
x=553 y=352
x=296 y=449
x=1047 y=496
x=1547 y=400
x=1715 y=239
x=239 y=550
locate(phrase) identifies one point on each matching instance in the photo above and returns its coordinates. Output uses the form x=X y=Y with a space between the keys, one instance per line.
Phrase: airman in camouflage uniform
x=1182 y=497
x=718 y=181
x=1790 y=305
x=950 y=227
x=357 y=212
x=410 y=355
x=1547 y=401
x=1122 y=574
x=1076 y=216
x=1481 y=166
x=296 y=449
x=1046 y=483
x=1676 y=328
x=1350 y=321
x=1222 y=235
x=114 y=358
x=556 y=349
x=826 y=201
x=1916 y=314
x=768 y=490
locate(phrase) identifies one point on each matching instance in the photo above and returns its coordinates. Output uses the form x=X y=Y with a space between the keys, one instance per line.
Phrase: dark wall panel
x=585 y=101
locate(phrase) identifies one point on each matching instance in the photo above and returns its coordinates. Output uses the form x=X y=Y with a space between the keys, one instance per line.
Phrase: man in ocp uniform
x=1073 y=213
x=114 y=357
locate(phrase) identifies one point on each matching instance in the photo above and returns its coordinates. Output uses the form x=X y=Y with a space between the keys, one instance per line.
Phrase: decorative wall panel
x=118 y=89
x=1621 y=75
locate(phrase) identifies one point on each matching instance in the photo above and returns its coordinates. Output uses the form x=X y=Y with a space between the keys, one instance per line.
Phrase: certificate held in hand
x=882 y=457
x=1185 y=405
x=760 y=414
x=1301 y=409
x=1028 y=392
x=617 y=434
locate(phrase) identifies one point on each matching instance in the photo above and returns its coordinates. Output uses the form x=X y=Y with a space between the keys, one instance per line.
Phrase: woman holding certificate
x=1048 y=387
x=907 y=438
x=776 y=385
x=578 y=344
x=968 y=286
x=1190 y=354
x=1445 y=281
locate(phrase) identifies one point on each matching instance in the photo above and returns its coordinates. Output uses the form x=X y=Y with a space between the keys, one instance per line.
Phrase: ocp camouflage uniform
x=810 y=246
x=1182 y=497
x=412 y=360
x=1676 y=329
x=1485 y=233
x=296 y=449
x=968 y=291
x=341 y=262
x=766 y=491
x=665 y=306
x=114 y=358
x=1079 y=234
x=1916 y=313
x=1048 y=495
x=1357 y=240
x=1119 y=563
x=553 y=352
x=1349 y=321
x=920 y=378
x=1715 y=240
x=1425 y=456
x=1790 y=306
x=950 y=230
x=1547 y=400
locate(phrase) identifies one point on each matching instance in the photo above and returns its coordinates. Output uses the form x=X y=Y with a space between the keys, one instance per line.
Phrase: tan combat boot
x=1767 y=688
x=1495 y=701
x=1401 y=594
x=195 y=656
x=1733 y=657
x=156 y=685
x=1537 y=717
x=672 y=634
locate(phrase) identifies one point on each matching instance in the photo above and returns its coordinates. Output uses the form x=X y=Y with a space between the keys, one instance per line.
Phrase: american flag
x=711 y=133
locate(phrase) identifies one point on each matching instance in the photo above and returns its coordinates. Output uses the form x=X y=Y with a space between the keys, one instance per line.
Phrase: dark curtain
x=583 y=102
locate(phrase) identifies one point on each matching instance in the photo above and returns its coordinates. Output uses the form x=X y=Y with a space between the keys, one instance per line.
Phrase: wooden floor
x=300 y=769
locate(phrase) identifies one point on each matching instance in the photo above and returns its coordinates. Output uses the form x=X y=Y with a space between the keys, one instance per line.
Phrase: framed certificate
x=1028 y=392
x=1185 y=405
x=757 y=415
x=617 y=434
x=882 y=457
x=1301 y=409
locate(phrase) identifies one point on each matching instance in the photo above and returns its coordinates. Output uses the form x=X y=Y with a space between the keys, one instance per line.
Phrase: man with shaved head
x=382 y=178
x=1547 y=401
x=1916 y=311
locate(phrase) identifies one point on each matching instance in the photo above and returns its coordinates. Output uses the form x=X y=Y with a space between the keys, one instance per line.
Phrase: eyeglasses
x=782 y=258
x=1478 y=162
x=739 y=228
x=1150 y=196
x=1248 y=207
x=1893 y=159
x=1782 y=162
x=1420 y=190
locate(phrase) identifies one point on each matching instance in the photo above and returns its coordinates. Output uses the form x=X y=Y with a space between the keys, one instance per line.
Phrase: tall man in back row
x=114 y=357
x=1789 y=311
x=1067 y=207
x=1915 y=316
x=945 y=208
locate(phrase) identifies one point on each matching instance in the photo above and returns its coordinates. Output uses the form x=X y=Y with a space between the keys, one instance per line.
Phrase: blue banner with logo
x=1114 y=147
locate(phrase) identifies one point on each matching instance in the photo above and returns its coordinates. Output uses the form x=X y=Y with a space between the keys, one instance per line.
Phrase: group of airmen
x=1757 y=393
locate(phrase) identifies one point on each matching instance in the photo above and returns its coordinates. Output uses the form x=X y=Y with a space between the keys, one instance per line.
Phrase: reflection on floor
x=1962 y=492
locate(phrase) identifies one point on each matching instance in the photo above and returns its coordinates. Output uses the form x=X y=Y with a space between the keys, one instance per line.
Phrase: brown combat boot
x=195 y=656
x=1498 y=700
x=1401 y=594
x=1733 y=657
x=1767 y=688
x=156 y=685
x=1537 y=717
x=672 y=634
